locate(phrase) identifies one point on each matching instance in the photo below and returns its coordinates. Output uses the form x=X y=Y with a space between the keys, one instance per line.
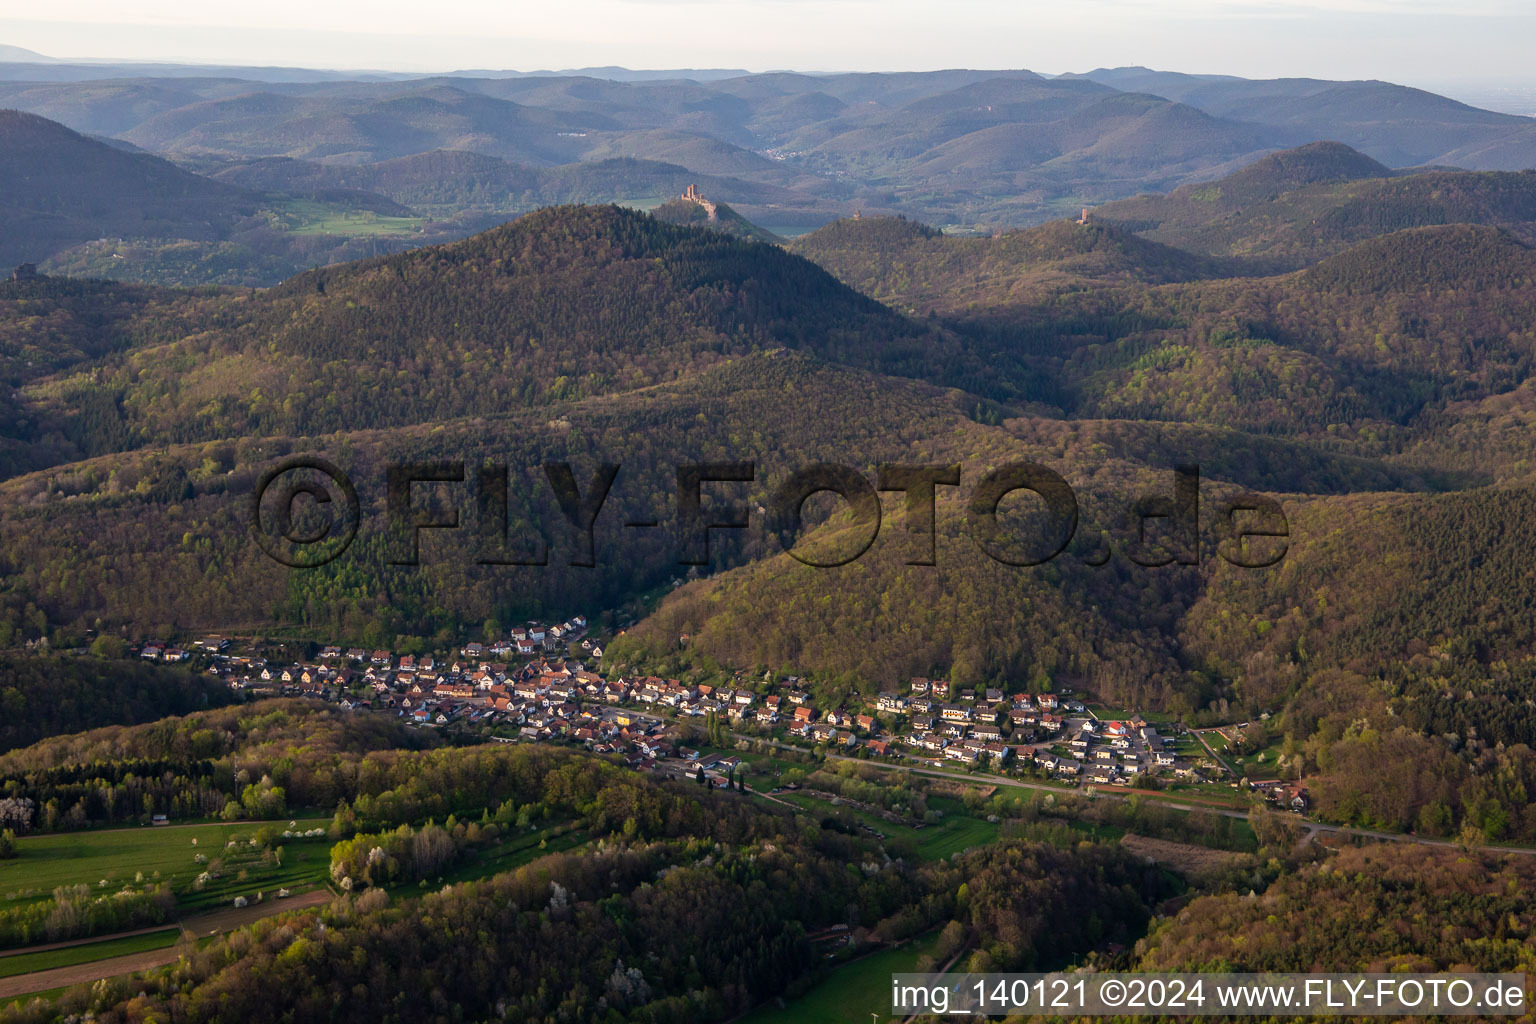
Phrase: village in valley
x=544 y=683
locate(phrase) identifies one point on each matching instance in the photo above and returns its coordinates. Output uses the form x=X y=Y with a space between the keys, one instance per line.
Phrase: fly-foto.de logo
x=305 y=512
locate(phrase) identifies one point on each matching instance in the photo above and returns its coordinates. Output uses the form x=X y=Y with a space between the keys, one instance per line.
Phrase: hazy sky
x=1422 y=42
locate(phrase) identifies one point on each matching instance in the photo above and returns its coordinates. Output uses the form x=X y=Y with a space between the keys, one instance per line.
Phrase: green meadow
x=109 y=859
x=86 y=953
x=851 y=992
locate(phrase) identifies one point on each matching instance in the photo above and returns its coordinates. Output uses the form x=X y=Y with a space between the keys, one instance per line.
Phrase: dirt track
x=230 y=918
x=194 y=927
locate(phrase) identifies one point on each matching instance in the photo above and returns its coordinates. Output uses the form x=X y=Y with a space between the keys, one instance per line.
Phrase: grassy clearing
x=1214 y=793
x=1261 y=763
x=90 y=952
x=936 y=842
x=303 y=867
x=850 y=992
x=931 y=842
x=792 y=231
x=119 y=857
x=307 y=217
x=512 y=852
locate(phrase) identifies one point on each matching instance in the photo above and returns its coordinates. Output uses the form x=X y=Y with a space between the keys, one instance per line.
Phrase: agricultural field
x=307 y=217
x=86 y=952
x=110 y=859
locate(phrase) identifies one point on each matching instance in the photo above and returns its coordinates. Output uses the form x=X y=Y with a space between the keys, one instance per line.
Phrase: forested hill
x=1317 y=163
x=1384 y=904
x=50 y=696
x=58 y=188
x=1460 y=257
x=917 y=268
x=49 y=324
x=52 y=325
x=562 y=304
x=1296 y=207
x=1375 y=336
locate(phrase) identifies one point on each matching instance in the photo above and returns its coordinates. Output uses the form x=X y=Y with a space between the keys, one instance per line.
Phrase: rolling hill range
x=104 y=210
x=444 y=182
x=1376 y=334
x=431 y=179
x=1029 y=133
x=1400 y=126
x=765 y=400
x=84 y=207
x=1077 y=330
x=1084 y=320
x=473 y=322
x=968 y=148
x=359 y=131
x=1293 y=208
x=1382 y=396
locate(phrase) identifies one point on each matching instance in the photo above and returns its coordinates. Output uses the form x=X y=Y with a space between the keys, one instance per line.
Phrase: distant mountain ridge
x=613 y=73
x=961 y=147
x=18 y=54
x=340 y=167
x=1294 y=208
x=455 y=179
x=113 y=68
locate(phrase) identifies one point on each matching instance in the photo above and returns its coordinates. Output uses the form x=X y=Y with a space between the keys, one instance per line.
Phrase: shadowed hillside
x=58 y=188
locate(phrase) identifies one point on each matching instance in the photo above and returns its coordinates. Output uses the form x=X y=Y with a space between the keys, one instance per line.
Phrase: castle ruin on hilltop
x=691 y=194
